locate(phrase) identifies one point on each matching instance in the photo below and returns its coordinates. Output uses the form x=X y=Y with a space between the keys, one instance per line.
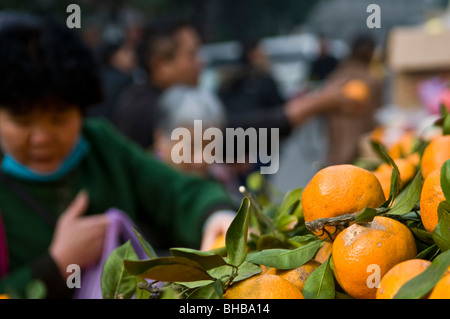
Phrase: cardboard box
x=414 y=55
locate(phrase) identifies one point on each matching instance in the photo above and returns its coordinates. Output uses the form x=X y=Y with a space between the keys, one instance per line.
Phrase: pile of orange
x=372 y=259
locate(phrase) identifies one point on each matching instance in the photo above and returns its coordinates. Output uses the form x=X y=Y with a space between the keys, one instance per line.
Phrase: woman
x=60 y=172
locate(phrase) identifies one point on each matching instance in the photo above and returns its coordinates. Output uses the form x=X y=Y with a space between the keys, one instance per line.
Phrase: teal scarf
x=11 y=167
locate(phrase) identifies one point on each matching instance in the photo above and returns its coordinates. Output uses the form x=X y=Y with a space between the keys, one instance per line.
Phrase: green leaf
x=244 y=271
x=35 y=289
x=444 y=111
x=446 y=125
x=395 y=177
x=429 y=251
x=366 y=215
x=268 y=241
x=286 y=222
x=320 y=284
x=116 y=281
x=169 y=269
x=422 y=235
x=211 y=291
x=408 y=197
x=285 y=258
x=441 y=233
x=145 y=244
x=141 y=293
x=291 y=203
x=445 y=179
x=205 y=259
x=236 y=237
x=422 y=284
x=247 y=270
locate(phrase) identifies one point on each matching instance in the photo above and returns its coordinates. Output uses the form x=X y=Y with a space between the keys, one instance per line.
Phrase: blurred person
x=325 y=63
x=60 y=172
x=179 y=107
x=345 y=130
x=169 y=53
x=251 y=86
x=118 y=62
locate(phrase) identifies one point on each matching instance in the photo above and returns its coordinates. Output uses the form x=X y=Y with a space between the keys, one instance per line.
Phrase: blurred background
x=292 y=33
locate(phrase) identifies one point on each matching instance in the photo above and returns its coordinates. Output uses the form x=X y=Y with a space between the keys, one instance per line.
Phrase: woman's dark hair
x=159 y=39
x=42 y=59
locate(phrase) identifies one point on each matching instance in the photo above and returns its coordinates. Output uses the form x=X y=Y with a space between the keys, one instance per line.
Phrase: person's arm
x=175 y=204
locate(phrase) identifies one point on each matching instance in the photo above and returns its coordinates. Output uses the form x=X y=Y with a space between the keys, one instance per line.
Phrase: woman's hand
x=78 y=239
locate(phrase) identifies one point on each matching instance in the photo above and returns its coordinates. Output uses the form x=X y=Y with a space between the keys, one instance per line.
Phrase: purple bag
x=119 y=227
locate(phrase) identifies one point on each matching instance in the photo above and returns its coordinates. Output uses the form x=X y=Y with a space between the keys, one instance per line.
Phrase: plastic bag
x=120 y=227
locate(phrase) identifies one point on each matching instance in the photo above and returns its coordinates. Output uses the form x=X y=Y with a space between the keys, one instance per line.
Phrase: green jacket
x=171 y=207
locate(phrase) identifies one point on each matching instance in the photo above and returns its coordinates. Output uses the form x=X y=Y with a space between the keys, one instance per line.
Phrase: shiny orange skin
x=340 y=189
x=442 y=288
x=398 y=275
x=384 y=173
x=384 y=242
x=435 y=154
x=298 y=275
x=430 y=198
x=324 y=252
x=263 y=286
x=403 y=147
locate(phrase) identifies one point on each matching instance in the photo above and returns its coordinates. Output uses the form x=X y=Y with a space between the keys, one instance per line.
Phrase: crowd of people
x=84 y=131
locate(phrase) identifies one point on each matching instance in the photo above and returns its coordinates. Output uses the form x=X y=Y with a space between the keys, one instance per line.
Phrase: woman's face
x=40 y=139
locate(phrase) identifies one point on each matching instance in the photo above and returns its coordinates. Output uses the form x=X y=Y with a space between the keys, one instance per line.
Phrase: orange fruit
x=435 y=154
x=265 y=269
x=324 y=252
x=398 y=275
x=403 y=146
x=340 y=189
x=442 y=288
x=378 y=134
x=382 y=243
x=384 y=173
x=414 y=159
x=219 y=242
x=356 y=90
x=263 y=287
x=4 y=296
x=430 y=198
x=297 y=276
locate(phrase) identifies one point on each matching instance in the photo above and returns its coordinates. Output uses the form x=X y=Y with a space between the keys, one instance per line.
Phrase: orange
x=265 y=269
x=384 y=173
x=263 y=287
x=324 y=252
x=398 y=275
x=340 y=189
x=4 y=296
x=219 y=242
x=356 y=90
x=430 y=198
x=435 y=154
x=442 y=288
x=378 y=134
x=298 y=275
x=403 y=146
x=362 y=251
